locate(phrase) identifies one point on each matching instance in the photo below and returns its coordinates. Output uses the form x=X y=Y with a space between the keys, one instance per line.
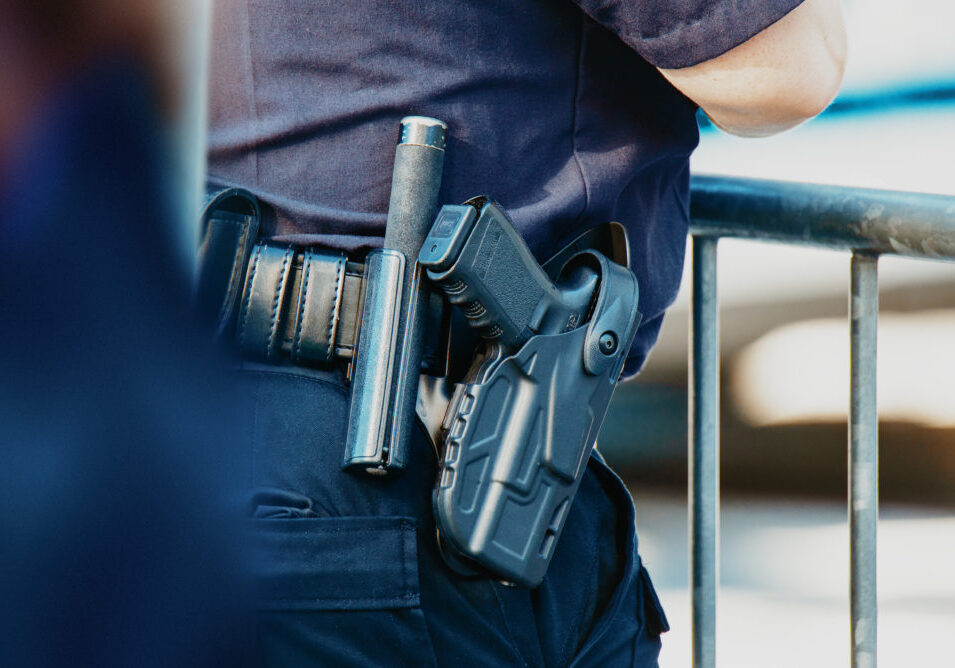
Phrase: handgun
x=477 y=258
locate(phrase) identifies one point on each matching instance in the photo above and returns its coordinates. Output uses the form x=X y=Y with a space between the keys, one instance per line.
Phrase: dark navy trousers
x=349 y=572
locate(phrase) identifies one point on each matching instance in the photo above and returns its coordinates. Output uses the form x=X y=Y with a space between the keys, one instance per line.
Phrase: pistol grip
x=484 y=267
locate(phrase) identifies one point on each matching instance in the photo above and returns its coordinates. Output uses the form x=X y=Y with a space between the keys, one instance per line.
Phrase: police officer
x=569 y=113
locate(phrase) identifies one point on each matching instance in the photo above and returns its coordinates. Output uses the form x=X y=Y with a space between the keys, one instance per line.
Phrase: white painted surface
x=898 y=43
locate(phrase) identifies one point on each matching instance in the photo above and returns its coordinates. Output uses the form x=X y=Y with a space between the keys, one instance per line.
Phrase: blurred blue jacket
x=114 y=476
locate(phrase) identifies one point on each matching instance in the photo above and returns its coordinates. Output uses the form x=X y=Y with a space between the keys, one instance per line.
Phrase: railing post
x=863 y=458
x=704 y=500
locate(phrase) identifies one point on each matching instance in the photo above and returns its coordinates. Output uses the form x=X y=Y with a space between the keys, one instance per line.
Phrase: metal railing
x=866 y=222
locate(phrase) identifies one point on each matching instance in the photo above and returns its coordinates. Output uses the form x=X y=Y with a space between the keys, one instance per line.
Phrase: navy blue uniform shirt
x=555 y=109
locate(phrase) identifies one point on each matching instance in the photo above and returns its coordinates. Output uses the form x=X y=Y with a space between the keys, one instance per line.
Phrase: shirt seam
x=252 y=92
x=668 y=49
x=575 y=116
x=703 y=16
x=706 y=16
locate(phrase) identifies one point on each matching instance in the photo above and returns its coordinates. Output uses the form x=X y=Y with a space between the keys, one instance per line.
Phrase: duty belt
x=514 y=437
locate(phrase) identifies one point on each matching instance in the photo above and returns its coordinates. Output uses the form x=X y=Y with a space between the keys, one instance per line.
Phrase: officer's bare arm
x=775 y=80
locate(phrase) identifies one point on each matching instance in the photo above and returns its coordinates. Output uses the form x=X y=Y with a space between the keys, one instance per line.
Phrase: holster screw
x=608 y=343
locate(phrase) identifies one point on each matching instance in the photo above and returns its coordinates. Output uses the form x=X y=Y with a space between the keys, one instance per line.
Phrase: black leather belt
x=303 y=305
x=283 y=302
x=286 y=303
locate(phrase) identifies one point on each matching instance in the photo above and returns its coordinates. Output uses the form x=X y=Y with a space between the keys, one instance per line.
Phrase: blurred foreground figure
x=115 y=544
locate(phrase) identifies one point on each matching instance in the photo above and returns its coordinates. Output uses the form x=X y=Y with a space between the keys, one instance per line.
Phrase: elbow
x=821 y=90
x=812 y=89
x=786 y=100
x=782 y=96
x=783 y=76
x=782 y=107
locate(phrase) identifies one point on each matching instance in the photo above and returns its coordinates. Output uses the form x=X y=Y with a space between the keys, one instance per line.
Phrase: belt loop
x=261 y=322
x=314 y=327
x=301 y=301
x=300 y=304
x=336 y=310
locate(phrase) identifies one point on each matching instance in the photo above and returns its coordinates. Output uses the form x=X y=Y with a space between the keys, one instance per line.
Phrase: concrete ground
x=785 y=581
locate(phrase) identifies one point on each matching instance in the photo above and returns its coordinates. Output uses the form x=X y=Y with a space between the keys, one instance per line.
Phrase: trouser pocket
x=655 y=620
x=628 y=632
x=339 y=591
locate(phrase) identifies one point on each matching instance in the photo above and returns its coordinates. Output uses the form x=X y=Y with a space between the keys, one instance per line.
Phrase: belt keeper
x=305 y=305
x=314 y=330
x=300 y=304
x=260 y=325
